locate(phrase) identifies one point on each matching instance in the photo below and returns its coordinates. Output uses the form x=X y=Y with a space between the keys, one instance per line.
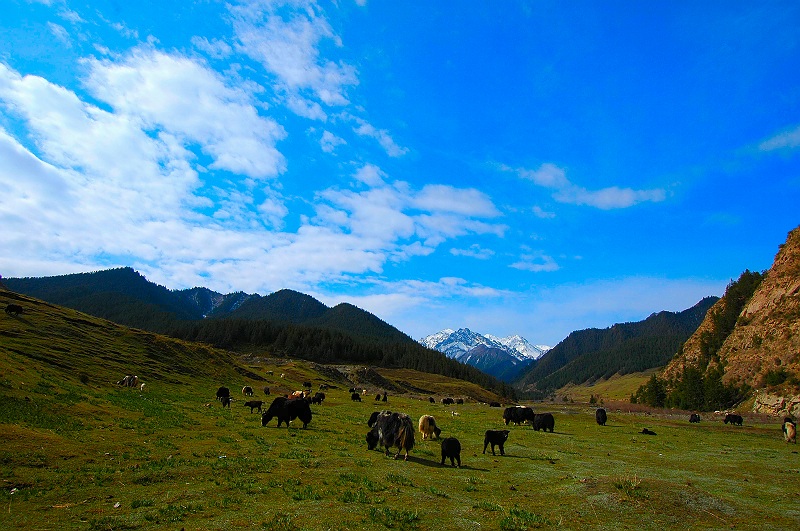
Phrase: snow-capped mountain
x=503 y=358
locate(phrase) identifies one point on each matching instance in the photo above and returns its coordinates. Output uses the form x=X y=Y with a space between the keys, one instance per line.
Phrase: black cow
x=645 y=431
x=392 y=429
x=451 y=449
x=494 y=404
x=14 y=309
x=694 y=418
x=600 y=416
x=732 y=418
x=495 y=438
x=517 y=415
x=355 y=397
x=286 y=410
x=318 y=397
x=223 y=392
x=544 y=422
x=254 y=404
x=431 y=400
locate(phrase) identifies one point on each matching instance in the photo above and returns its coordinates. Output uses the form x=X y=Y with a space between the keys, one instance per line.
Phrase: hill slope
x=592 y=354
x=754 y=339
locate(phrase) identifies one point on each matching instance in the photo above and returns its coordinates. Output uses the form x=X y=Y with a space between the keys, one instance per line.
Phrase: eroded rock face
x=776 y=405
x=766 y=338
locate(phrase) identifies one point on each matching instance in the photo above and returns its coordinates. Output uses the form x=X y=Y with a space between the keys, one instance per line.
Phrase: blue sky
x=526 y=168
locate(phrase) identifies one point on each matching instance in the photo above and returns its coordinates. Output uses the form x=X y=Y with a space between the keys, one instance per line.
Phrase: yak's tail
x=405 y=435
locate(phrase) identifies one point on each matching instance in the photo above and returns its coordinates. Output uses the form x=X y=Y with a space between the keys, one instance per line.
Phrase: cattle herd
x=392 y=429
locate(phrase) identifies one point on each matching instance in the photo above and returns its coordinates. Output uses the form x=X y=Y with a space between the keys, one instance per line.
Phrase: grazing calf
x=392 y=429
x=14 y=309
x=733 y=419
x=428 y=427
x=694 y=418
x=789 y=430
x=601 y=417
x=544 y=422
x=495 y=438
x=254 y=404
x=355 y=397
x=247 y=390
x=451 y=449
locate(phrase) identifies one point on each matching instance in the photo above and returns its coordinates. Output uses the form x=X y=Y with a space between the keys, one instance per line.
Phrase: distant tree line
x=699 y=387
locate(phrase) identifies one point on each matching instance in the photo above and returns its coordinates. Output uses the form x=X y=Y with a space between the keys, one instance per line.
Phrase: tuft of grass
x=487 y=506
x=399 y=479
x=399 y=518
x=631 y=486
x=521 y=520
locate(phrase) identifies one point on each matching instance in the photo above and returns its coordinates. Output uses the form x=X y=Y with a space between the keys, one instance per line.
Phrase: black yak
x=517 y=415
x=494 y=404
x=451 y=449
x=318 y=397
x=355 y=397
x=254 y=404
x=459 y=400
x=223 y=392
x=732 y=418
x=544 y=422
x=129 y=381
x=431 y=400
x=286 y=410
x=14 y=309
x=645 y=431
x=247 y=390
x=495 y=438
x=694 y=418
x=226 y=401
x=448 y=401
x=392 y=429
x=374 y=417
x=600 y=416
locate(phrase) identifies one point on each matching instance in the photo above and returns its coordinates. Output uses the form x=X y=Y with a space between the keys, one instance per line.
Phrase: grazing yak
x=495 y=438
x=355 y=397
x=431 y=400
x=385 y=398
x=732 y=418
x=694 y=418
x=428 y=427
x=448 y=401
x=226 y=401
x=517 y=415
x=374 y=417
x=286 y=410
x=459 y=400
x=318 y=397
x=544 y=422
x=129 y=381
x=789 y=430
x=392 y=429
x=14 y=309
x=451 y=449
x=601 y=416
x=266 y=391
x=494 y=404
x=247 y=390
x=223 y=392
x=254 y=404
x=645 y=431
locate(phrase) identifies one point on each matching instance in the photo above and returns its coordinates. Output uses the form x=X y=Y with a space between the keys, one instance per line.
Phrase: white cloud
x=60 y=33
x=191 y=101
x=329 y=142
x=789 y=139
x=286 y=43
x=370 y=175
x=466 y=201
x=536 y=262
x=543 y=214
x=474 y=251
x=215 y=48
x=381 y=135
x=552 y=177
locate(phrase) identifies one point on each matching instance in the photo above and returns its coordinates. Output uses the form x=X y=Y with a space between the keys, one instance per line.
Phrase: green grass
x=77 y=455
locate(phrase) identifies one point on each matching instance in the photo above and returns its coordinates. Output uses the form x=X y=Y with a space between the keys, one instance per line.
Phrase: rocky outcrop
x=763 y=349
x=776 y=405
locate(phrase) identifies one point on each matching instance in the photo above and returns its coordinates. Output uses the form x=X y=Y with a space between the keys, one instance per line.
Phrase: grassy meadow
x=78 y=452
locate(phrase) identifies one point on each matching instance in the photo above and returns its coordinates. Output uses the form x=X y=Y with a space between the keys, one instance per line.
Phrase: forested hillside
x=592 y=354
x=283 y=324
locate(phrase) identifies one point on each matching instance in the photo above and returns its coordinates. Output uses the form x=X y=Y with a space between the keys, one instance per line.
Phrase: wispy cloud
x=473 y=251
x=536 y=262
x=789 y=139
x=554 y=178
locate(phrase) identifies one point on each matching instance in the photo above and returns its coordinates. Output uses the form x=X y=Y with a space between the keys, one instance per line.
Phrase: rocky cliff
x=763 y=349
